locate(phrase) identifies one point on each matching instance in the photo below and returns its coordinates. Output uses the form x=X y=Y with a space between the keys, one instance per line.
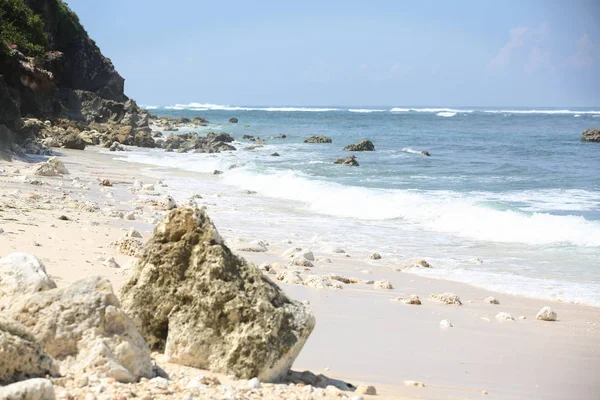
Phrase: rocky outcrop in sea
x=591 y=135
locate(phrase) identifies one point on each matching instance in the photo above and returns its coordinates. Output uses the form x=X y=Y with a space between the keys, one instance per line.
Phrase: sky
x=368 y=53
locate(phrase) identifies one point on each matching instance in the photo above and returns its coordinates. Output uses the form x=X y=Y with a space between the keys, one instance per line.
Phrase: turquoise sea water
x=515 y=188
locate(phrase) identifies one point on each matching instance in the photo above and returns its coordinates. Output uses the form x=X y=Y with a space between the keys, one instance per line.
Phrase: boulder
x=31 y=389
x=22 y=274
x=233 y=120
x=425 y=153
x=276 y=154
x=21 y=356
x=143 y=138
x=116 y=146
x=384 y=285
x=318 y=139
x=72 y=141
x=591 y=135
x=220 y=137
x=83 y=327
x=375 y=256
x=349 y=161
x=363 y=145
x=207 y=308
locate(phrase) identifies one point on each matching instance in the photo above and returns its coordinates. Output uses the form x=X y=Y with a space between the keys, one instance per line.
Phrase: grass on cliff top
x=20 y=26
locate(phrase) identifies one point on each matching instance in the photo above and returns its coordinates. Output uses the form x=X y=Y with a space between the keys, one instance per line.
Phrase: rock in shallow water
x=207 y=308
x=591 y=135
x=363 y=145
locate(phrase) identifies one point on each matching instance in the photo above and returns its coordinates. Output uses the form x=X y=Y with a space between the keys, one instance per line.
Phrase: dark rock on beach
x=349 y=161
x=363 y=145
x=591 y=135
x=318 y=139
x=73 y=141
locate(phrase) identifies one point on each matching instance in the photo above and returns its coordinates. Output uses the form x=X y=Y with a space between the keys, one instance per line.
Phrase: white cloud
x=524 y=37
x=584 y=55
x=538 y=59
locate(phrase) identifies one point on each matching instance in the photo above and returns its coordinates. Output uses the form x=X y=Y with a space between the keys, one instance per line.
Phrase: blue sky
x=392 y=53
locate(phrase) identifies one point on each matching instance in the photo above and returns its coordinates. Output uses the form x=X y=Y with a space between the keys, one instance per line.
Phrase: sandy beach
x=362 y=334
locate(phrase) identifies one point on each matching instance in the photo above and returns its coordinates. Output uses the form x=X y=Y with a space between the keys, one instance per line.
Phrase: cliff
x=51 y=68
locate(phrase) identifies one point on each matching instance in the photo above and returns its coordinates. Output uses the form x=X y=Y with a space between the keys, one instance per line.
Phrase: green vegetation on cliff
x=20 y=26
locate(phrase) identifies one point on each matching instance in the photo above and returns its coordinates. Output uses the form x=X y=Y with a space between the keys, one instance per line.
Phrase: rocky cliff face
x=68 y=78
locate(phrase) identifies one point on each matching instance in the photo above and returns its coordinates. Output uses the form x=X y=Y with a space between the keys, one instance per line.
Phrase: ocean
x=509 y=199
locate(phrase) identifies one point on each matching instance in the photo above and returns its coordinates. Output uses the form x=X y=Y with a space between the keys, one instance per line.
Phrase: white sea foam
x=397 y=109
x=577 y=115
x=149 y=107
x=447 y=212
x=409 y=150
x=364 y=110
x=438 y=110
x=446 y=114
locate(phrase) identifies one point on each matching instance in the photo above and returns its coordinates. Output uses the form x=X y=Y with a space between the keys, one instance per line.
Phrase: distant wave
x=440 y=110
x=446 y=114
x=541 y=112
x=364 y=110
x=396 y=109
x=219 y=107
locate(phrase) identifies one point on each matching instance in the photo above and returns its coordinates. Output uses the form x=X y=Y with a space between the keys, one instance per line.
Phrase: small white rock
x=111 y=263
x=130 y=216
x=446 y=324
x=504 y=317
x=254 y=383
x=132 y=233
x=414 y=383
x=384 y=284
x=491 y=300
x=546 y=314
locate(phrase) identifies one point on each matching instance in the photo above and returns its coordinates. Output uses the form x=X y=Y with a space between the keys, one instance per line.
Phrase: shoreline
x=527 y=354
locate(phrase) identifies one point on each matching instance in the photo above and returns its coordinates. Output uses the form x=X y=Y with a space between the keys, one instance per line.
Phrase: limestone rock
x=301 y=261
x=503 y=316
x=133 y=233
x=128 y=246
x=546 y=314
x=299 y=252
x=207 y=308
x=491 y=300
x=21 y=274
x=414 y=383
x=375 y=256
x=291 y=277
x=318 y=139
x=445 y=298
x=385 y=285
x=31 y=389
x=322 y=282
x=73 y=141
x=21 y=356
x=233 y=120
x=83 y=327
x=591 y=135
x=53 y=167
x=111 y=263
x=363 y=145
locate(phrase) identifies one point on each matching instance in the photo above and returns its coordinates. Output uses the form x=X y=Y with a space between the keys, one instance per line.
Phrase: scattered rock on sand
x=53 y=167
x=130 y=216
x=242 y=324
x=375 y=256
x=301 y=261
x=546 y=314
x=299 y=252
x=133 y=233
x=128 y=246
x=291 y=277
x=83 y=327
x=30 y=389
x=63 y=218
x=414 y=383
x=366 y=389
x=322 y=282
x=446 y=324
x=363 y=145
x=385 y=285
x=105 y=182
x=111 y=263
x=411 y=299
x=503 y=316
x=318 y=139
x=22 y=356
x=116 y=146
x=445 y=298
x=491 y=300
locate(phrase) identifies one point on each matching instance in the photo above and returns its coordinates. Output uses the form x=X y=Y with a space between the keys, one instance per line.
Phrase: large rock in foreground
x=31 y=389
x=207 y=308
x=21 y=356
x=591 y=135
x=83 y=327
x=363 y=145
x=22 y=274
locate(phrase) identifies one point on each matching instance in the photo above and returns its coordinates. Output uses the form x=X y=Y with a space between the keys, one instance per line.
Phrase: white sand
x=361 y=336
